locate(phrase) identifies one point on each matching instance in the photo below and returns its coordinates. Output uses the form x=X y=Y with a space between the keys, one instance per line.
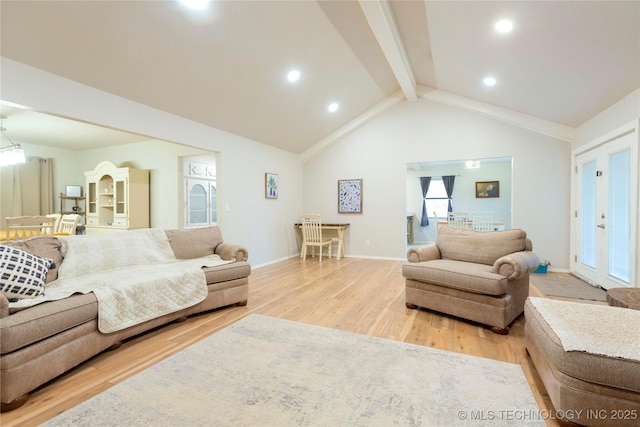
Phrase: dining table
x=4 y=234
x=339 y=229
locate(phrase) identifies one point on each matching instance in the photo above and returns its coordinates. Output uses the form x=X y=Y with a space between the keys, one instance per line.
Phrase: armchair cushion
x=465 y=276
x=464 y=245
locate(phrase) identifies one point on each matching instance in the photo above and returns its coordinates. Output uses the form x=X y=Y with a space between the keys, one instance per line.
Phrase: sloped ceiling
x=564 y=61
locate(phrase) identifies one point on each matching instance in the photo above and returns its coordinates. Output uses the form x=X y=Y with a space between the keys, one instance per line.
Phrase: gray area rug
x=568 y=287
x=263 y=371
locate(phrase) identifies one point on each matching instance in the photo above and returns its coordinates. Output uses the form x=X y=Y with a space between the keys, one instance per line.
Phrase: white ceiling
x=564 y=61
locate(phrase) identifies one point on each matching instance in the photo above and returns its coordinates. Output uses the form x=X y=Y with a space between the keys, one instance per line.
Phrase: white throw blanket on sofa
x=134 y=275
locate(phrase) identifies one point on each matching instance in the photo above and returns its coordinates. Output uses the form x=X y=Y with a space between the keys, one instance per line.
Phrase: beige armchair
x=478 y=276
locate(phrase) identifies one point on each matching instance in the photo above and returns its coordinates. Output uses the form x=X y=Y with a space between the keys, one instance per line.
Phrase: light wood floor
x=357 y=295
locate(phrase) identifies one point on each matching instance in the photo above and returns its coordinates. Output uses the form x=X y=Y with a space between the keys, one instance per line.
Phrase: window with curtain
x=436 y=199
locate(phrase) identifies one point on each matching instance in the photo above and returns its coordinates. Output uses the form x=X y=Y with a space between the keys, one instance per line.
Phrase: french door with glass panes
x=606 y=213
x=201 y=206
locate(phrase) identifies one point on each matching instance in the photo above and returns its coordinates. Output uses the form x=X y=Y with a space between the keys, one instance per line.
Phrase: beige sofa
x=41 y=342
x=588 y=357
x=479 y=276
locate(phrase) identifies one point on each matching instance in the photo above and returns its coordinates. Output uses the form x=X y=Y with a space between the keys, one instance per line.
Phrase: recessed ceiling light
x=503 y=26
x=333 y=107
x=196 y=4
x=489 y=81
x=293 y=76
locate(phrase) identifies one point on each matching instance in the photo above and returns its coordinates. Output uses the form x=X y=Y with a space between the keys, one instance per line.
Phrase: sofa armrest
x=516 y=265
x=229 y=251
x=423 y=253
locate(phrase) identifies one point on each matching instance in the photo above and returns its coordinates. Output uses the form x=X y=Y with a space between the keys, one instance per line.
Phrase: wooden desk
x=339 y=228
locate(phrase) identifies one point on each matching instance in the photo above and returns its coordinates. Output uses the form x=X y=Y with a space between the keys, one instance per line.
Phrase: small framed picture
x=270 y=185
x=350 y=196
x=74 y=191
x=486 y=189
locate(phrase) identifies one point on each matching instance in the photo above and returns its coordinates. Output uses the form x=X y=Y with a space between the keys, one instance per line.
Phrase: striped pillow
x=22 y=274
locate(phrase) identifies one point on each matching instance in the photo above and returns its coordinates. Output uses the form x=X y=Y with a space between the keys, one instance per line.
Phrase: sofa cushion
x=477 y=246
x=22 y=274
x=195 y=242
x=461 y=275
x=32 y=324
x=45 y=247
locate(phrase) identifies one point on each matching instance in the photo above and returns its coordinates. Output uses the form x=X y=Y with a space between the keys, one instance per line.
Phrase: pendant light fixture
x=13 y=153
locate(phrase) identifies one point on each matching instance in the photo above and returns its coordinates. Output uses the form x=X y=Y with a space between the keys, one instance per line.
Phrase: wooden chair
x=482 y=221
x=57 y=217
x=26 y=227
x=312 y=235
x=68 y=224
x=458 y=220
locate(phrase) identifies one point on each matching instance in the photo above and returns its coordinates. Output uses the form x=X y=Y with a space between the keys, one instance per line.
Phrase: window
x=437 y=200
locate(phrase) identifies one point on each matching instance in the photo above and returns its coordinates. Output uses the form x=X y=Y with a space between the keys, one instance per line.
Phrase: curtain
x=27 y=189
x=448 y=187
x=425 y=181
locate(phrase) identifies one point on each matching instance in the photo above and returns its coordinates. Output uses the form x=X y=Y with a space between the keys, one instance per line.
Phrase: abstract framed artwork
x=487 y=189
x=349 y=196
x=270 y=185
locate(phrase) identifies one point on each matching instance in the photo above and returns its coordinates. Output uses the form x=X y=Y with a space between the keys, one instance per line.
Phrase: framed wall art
x=349 y=196
x=270 y=185
x=73 y=191
x=487 y=189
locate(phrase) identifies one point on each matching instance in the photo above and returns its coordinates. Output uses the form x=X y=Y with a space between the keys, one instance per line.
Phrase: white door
x=605 y=217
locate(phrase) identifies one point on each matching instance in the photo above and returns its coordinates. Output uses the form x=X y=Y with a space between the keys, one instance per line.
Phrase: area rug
x=263 y=371
x=568 y=287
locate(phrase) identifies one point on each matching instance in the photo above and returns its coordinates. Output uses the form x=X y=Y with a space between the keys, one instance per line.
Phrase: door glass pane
x=197 y=205
x=589 y=214
x=619 y=224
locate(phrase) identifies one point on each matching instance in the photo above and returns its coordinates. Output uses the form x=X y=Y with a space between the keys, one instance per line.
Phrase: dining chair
x=312 y=235
x=458 y=220
x=26 y=227
x=482 y=221
x=57 y=217
x=68 y=224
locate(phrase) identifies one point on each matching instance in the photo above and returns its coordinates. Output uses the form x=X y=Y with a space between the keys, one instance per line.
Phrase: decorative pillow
x=45 y=247
x=22 y=275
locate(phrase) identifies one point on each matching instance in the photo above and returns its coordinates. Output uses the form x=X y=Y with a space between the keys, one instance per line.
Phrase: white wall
x=424 y=130
x=265 y=227
x=464 y=198
x=619 y=114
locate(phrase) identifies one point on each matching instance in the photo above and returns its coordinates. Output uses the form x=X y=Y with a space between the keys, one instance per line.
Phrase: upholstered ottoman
x=588 y=357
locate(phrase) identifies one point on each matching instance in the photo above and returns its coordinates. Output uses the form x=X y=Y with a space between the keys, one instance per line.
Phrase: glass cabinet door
x=120 y=197
x=92 y=200
x=197 y=206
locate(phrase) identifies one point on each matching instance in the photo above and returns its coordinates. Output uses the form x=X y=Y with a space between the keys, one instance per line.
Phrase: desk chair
x=312 y=235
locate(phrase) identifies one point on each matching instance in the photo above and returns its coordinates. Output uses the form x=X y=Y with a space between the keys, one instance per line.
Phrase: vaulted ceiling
x=226 y=67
